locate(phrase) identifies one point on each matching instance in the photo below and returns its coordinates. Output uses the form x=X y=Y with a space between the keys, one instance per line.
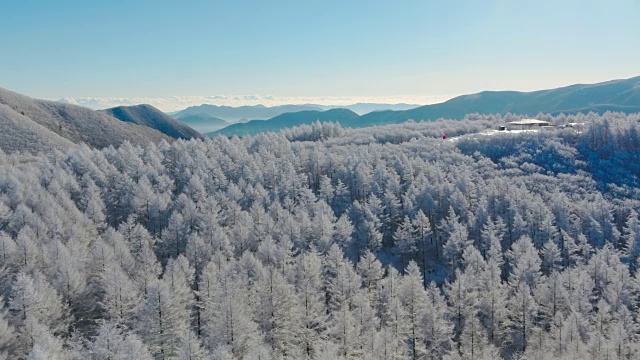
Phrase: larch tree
x=457 y=239
x=371 y=271
x=162 y=320
x=463 y=299
x=37 y=309
x=311 y=296
x=120 y=294
x=112 y=343
x=226 y=312
x=413 y=297
x=437 y=330
x=492 y=306
x=523 y=312
x=422 y=225
x=8 y=335
x=525 y=263
x=405 y=241
x=631 y=238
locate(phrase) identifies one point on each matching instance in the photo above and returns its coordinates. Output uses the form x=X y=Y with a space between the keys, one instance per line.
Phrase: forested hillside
x=287 y=120
x=147 y=115
x=320 y=242
x=33 y=125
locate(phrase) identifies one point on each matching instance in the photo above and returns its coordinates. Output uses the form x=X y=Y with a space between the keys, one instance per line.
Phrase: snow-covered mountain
x=38 y=125
x=149 y=116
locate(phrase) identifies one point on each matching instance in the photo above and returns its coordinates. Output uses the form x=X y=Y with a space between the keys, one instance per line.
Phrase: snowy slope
x=32 y=125
x=149 y=116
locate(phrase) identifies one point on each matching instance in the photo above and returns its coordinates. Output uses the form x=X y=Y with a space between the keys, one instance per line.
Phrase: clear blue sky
x=134 y=48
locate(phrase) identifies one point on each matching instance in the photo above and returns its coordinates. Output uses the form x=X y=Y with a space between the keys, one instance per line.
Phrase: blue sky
x=373 y=48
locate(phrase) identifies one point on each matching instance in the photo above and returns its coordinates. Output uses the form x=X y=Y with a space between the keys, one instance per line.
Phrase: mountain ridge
x=284 y=120
x=233 y=114
x=622 y=92
x=259 y=111
x=35 y=125
x=204 y=123
x=621 y=95
x=151 y=117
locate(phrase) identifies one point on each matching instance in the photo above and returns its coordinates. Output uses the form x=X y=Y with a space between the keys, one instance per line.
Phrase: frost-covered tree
x=111 y=343
x=413 y=297
x=436 y=328
x=162 y=319
x=311 y=296
x=318 y=242
x=405 y=240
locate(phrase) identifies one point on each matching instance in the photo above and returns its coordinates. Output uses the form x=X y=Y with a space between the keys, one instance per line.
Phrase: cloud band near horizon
x=176 y=103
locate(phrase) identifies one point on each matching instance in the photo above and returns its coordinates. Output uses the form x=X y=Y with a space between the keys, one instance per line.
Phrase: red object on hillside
x=444 y=137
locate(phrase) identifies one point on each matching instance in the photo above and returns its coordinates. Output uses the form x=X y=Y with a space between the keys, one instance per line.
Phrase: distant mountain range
x=204 y=123
x=364 y=108
x=285 y=120
x=33 y=125
x=615 y=95
x=207 y=118
x=242 y=113
x=234 y=114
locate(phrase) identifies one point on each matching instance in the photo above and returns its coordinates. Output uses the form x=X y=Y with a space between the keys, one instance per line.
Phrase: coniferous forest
x=321 y=242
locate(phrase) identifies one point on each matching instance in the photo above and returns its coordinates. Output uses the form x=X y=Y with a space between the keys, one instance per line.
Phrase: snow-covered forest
x=327 y=243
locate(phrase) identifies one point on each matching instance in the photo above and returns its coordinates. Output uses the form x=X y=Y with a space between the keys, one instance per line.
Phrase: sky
x=291 y=51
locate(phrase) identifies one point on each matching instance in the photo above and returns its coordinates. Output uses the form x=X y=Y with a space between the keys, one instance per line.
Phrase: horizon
x=176 y=103
x=418 y=53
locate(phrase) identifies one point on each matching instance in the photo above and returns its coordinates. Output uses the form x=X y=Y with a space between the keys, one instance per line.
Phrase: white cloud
x=175 y=103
